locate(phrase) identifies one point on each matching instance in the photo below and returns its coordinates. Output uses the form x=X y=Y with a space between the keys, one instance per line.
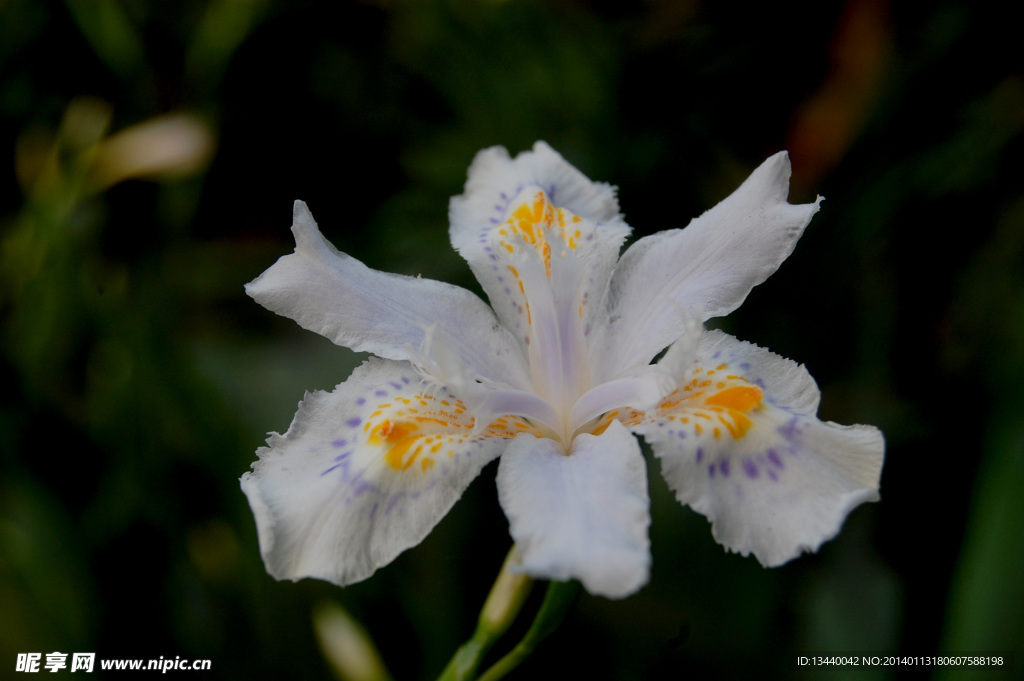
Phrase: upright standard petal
x=579 y=516
x=365 y=472
x=339 y=297
x=537 y=203
x=710 y=266
x=740 y=443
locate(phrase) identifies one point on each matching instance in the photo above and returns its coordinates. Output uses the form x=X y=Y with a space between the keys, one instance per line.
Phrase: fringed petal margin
x=365 y=472
x=539 y=203
x=739 y=442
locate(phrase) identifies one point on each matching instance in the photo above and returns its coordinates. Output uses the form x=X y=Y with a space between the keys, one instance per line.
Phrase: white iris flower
x=556 y=379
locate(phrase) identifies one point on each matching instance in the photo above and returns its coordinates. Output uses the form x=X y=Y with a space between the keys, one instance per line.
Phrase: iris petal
x=739 y=442
x=339 y=297
x=709 y=267
x=365 y=472
x=583 y=516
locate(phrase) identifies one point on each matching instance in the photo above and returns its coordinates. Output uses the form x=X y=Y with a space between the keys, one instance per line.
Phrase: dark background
x=138 y=379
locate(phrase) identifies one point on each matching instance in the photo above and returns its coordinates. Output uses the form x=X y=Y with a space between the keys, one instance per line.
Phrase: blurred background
x=151 y=154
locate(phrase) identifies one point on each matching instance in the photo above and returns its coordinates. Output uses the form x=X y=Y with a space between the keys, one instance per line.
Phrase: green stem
x=500 y=609
x=557 y=601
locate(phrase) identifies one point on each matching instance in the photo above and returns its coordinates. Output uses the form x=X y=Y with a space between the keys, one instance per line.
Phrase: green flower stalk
x=500 y=609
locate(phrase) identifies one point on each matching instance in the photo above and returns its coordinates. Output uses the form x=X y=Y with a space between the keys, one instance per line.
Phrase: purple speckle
x=700 y=451
x=773 y=456
x=790 y=431
x=381 y=393
x=329 y=469
x=716 y=355
x=360 y=487
x=495 y=221
x=725 y=468
x=395 y=384
x=340 y=443
x=504 y=197
x=711 y=471
x=352 y=423
x=343 y=456
x=745 y=366
x=750 y=468
x=405 y=379
x=361 y=401
x=771 y=474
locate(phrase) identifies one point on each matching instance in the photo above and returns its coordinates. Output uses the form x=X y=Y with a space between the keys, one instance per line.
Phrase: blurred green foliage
x=154 y=150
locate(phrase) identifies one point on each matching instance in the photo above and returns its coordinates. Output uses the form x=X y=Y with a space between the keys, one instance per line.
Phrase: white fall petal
x=363 y=473
x=583 y=516
x=555 y=376
x=740 y=444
